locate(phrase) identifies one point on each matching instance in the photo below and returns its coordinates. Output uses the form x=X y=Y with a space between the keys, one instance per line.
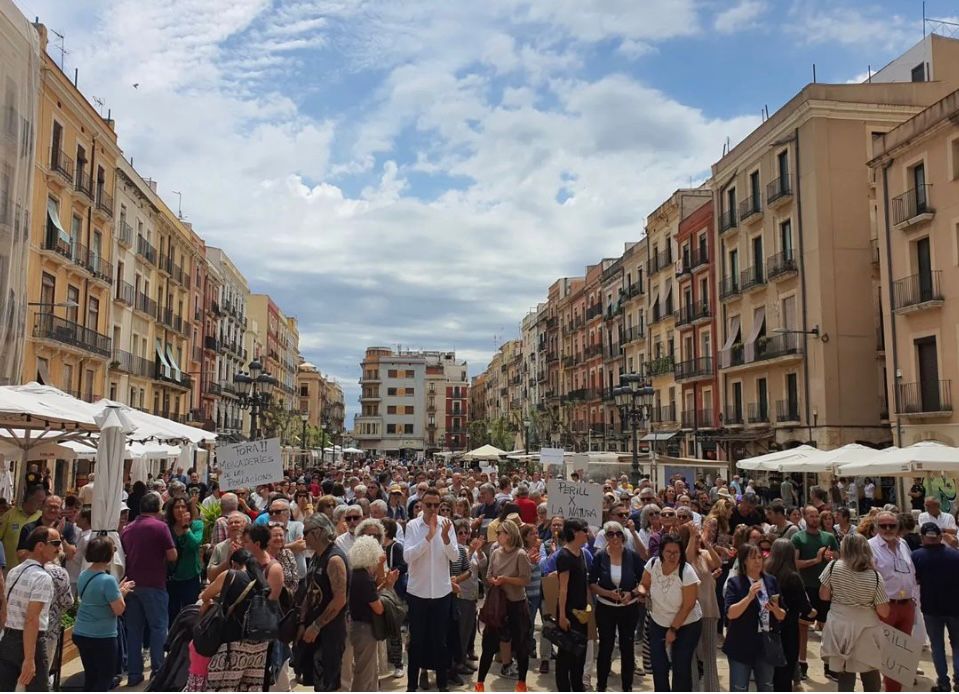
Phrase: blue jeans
x=680 y=661
x=146 y=610
x=534 y=604
x=740 y=674
x=935 y=628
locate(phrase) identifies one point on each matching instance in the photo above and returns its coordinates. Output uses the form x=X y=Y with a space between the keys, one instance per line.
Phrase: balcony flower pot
x=114 y=364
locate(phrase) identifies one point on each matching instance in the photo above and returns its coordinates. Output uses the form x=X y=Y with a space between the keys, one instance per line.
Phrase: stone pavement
x=544 y=683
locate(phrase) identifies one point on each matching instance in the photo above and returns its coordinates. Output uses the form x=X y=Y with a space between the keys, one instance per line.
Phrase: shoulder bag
x=571 y=641
x=208 y=632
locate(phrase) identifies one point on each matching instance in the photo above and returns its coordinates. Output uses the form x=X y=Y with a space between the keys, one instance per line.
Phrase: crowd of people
x=438 y=575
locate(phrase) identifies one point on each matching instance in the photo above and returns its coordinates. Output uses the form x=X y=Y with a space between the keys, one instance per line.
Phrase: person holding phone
x=751 y=601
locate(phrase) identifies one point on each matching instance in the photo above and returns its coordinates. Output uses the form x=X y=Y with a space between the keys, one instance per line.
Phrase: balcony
x=633 y=333
x=592 y=351
x=779 y=345
x=146 y=305
x=691 y=313
x=734 y=356
x=661 y=261
x=227 y=387
x=752 y=278
x=912 y=208
x=781 y=265
x=577 y=394
x=104 y=202
x=778 y=191
x=917 y=292
x=54 y=241
x=84 y=184
x=664 y=414
x=660 y=366
x=133 y=365
x=50 y=327
x=94 y=263
x=692 y=369
x=124 y=234
x=697 y=419
x=925 y=399
x=146 y=250
x=210 y=387
x=662 y=310
x=697 y=257
x=751 y=208
x=787 y=411
x=635 y=289
x=594 y=311
x=126 y=293
x=61 y=164
x=727 y=220
x=757 y=413
x=729 y=287
x=733 y=415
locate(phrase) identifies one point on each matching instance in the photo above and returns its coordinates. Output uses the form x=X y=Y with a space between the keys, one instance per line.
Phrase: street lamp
x=526 y=425
x=634 y=400
x=255 y=390
x=304 y=417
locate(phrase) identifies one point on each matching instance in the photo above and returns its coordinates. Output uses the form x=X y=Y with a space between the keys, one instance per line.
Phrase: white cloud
x=819 y=22
x=739 y=17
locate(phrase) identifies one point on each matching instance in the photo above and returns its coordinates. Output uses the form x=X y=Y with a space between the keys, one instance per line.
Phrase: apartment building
x=229 y=305
x=321 y=398
x=529 y=342
x=916 y=177
x=208 y=350
x=70 y=266
x=797 y=313
x=280 y=351
x=412 y=402
x=20 y=75
x=697 y=372
x=604 y=417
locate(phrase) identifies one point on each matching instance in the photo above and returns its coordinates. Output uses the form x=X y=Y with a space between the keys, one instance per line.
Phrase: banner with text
x=576 y=500
x=551 y=456
x=249 y=464
x=900 y=656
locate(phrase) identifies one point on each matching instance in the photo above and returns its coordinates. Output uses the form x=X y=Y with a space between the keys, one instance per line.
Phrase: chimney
x=153 y=184
x=42 y=33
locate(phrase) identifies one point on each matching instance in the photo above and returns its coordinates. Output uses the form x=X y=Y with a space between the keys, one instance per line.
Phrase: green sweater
x=188 y=563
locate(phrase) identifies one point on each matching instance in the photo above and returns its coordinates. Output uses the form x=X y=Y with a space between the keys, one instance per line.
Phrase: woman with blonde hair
x=852 y=639
x=367 y=561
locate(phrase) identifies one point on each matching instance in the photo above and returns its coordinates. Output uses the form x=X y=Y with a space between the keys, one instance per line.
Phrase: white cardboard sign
x=249 y=464
x=576 y=500
x=900 y=655
x=551 y=456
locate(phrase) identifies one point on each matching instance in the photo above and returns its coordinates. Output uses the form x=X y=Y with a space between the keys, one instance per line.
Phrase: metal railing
x=694 y=419
x=778 y=188
x=693 y=368
x=757 y=412
x=661 y=260
x=752 y=277
x=727 y=220
x=146 y=250
x=911 y=204
x=664 y=413
x=750 y=206
x=781 y=263
x=145 y=304
x=62 y=330
x=695 y=258
x=729 y=287
x=692 y=312
x=126 y=293
x=634 y=332
x=778 y=345
x=660 y=366
x=925 y=396
x=733 y=414
x=61 y=163
x=124 y=233
x=787 y=410
x=104 y=202
x=916 y=289
x=84 y=184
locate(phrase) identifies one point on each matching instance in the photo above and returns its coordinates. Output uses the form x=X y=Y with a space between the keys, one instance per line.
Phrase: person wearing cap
x=893 y=561
x=937 y=567
x=934 y=514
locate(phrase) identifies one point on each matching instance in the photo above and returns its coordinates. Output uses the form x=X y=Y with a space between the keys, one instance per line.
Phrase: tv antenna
x=61 y=39
x=99 y=102
x=179 y=204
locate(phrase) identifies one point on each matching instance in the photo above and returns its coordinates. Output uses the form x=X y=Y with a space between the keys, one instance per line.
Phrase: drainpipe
x=889 y=290
x=802 y=284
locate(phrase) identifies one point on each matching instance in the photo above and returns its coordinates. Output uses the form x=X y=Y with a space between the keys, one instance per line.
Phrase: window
x=391 y=409
x=390 y=428
x=782 y=168
x=391 y=391
x=754 y=189
x=391 y=373
x=919 y=73
x=410 y=373
x=731 y=203
x=304 y=391
x=786 y=239
x=408 y=409
x=73 y=297
x=762 y=398
x=407 y=428
x=48 y=290
x=954 y=158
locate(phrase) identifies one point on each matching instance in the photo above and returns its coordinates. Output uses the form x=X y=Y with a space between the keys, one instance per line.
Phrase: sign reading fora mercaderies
x=249 y=464
x=576 y=500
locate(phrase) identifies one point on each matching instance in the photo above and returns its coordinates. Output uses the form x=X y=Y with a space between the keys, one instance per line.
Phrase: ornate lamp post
x=634 y=399
x=256 y=390
x=304 y=417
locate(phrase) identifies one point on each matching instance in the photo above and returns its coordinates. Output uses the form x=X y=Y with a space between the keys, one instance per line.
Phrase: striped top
x=855 y=588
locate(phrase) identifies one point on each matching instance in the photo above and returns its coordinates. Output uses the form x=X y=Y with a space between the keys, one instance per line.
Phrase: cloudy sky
x=417 y=172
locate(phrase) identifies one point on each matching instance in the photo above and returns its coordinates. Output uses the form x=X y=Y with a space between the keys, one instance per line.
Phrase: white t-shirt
x=945 y=521
x=666 y=593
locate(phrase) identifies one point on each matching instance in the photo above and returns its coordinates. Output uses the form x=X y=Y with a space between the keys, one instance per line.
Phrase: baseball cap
x=396 y=489
x=930 y=529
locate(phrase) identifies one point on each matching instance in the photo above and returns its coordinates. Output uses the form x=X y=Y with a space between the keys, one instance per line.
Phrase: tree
x=479 y=433
x=276 y=420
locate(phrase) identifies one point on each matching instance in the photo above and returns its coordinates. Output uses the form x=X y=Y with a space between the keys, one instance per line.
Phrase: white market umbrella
x=771 y=461
x=829 y=461
x=108 y=489
x=353 y=451
x=185 y=459
x=139 y=471
x=486 y=452
x=921 y=458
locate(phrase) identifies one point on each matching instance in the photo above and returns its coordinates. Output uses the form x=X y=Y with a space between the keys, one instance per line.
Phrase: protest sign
x=900 y=655
x=576 y=500
x=551 y=456
x=249 y=464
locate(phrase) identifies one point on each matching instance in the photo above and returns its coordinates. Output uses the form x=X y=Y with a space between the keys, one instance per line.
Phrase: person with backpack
x=101 y=602
x=239 y=664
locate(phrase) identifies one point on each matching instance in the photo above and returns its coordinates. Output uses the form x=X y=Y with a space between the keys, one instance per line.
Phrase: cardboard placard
x=576 y=500
x=249 y=464
x=551 y=456
x=900 y=655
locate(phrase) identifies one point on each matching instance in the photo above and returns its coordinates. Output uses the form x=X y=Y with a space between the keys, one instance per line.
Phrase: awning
x=759 y=319
x=172 y=361
x=43 y=377
x=669 y=291
x=165 y=368
x=732 y=334
x=655 y=297
x=659 y=436
x=54 y=217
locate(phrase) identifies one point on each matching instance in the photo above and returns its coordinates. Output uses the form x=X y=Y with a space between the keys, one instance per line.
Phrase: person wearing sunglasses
x=893 y=560
x=352 y=517
x=29 y=593
x=614 y=579
x=620 y=514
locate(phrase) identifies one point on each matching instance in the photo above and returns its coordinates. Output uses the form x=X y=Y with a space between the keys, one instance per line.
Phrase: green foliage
x=209 y=515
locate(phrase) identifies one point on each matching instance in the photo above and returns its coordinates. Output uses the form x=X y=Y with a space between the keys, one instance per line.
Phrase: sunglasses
x=276 y=511
x=430 y=505
x=352 y=519
x=616 y=533
x=55 y=543
x=668 y=515
x=621 y=515
x=888 y=526
x=655 y=513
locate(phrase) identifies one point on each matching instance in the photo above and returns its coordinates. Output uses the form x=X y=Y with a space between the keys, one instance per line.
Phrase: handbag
x=290 y=617
x=208 y=632
x=571 y=641
x=262 y=620
x=771 y=648
x=493 y=612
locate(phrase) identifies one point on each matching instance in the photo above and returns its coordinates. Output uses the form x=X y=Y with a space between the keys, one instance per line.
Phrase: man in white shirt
x=23 y=660
x=352 y=515
x=429 y=549
x=537 y=484
x=86 y=491
x=945 y=521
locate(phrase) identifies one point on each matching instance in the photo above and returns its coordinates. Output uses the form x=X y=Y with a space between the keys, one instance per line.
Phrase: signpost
x=576 y=500
x=249 y=464
x=900 y=655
